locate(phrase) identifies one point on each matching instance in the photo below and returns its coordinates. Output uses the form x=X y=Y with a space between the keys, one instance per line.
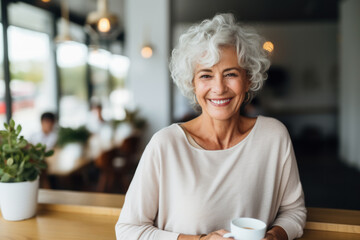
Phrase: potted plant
x=20 y=166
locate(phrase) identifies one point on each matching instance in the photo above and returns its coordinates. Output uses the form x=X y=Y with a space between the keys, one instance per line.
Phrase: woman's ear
x=248 y=84
x=247 y=80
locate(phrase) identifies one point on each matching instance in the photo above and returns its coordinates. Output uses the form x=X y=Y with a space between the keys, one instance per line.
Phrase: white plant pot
x=18 y=201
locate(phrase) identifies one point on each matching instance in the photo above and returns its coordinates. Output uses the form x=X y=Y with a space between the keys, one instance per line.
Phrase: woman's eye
x=231 y=75
x=205 y=76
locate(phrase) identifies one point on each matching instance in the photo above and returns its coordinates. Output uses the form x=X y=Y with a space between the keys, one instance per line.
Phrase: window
x=71 y=59
x=120 y=98
x=31 y=82
x=2 y=84
x=108 y=73
x=99 y=60
x=31 y=66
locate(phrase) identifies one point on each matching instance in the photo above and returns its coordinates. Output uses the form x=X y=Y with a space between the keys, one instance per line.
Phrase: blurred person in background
x=48 y=134
x=101 y=138
x=194 y=177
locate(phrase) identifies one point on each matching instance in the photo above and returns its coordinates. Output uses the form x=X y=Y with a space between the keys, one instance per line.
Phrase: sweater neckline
x=220 y=150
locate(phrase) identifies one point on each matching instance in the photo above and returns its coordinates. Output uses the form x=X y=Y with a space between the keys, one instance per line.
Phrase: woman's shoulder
x=272 y=126
x=271 y=122
x=167 y=134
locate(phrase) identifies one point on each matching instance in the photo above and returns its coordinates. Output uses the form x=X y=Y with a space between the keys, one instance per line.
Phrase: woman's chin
x=222 y=115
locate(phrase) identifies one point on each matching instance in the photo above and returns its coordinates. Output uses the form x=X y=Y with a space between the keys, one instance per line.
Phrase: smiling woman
x=195 y=177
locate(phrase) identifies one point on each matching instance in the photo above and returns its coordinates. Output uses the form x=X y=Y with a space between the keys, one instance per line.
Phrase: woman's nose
x=219 y=86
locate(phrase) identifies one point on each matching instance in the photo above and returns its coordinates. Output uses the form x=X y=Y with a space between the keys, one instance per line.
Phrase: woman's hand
x=276 y=233
x=217 y=235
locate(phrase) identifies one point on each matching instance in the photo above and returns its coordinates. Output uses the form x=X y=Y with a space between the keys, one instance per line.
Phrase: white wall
x=350 y=82
x=309 y=54
x=306 y=50
x=148 y=79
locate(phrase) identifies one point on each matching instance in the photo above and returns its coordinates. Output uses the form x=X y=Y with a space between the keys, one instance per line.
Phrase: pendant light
x=64 y=31
x=147 y=49
x=101 y=23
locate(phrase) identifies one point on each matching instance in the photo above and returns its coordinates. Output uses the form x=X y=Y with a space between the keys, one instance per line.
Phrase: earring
x=247 y=97
x=195 y=99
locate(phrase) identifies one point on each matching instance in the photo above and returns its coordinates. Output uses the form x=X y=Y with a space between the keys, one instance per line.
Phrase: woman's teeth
x=220 y=101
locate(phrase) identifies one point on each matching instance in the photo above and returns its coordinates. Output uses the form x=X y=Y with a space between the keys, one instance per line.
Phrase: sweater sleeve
x=137 y=217
x=292 y=212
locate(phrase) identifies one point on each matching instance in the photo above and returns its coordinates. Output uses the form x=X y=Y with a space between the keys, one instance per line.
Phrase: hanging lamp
x=102 y=23
x=64 y=32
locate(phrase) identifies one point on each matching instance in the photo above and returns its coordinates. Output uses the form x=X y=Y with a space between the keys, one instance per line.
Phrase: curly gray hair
x=201 y=45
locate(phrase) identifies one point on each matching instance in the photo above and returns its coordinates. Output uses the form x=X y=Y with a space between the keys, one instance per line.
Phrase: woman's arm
x=291 y=215
x=137 y=217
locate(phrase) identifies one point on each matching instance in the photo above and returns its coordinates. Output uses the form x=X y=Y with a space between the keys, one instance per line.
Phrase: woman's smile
x=220 y=102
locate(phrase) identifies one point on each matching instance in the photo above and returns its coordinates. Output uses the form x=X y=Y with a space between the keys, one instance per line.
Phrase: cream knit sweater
x=179 y=188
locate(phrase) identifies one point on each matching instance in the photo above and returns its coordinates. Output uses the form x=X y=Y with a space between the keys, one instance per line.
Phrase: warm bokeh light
x=146 y=52
x=104 y=25
x=268 y=46
x=45 y=1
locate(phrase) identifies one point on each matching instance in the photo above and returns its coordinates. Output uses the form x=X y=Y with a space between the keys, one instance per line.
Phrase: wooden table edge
x=93 y=210
x=332 y=227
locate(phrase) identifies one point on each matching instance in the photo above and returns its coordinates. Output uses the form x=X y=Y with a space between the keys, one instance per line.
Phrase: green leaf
x=5 y=178
x=38 y=145
x=18 y=129
x=21 y=168
x=49 y=153
x=27 y=165
x=6 y=148
x=31 y=175
x=4 y=133
x=26 y=158
x=42 y=165
x=6 y=126
x=19 y=179
x=22 y=164
x=10 y=161
x=12 y=123
x=22 y=143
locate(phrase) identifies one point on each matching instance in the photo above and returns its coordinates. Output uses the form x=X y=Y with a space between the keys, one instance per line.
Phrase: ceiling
x=79 y=9
x=256 y=10
x=195 y=10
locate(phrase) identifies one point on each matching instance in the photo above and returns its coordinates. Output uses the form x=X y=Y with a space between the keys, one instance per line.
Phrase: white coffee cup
x=246 y=229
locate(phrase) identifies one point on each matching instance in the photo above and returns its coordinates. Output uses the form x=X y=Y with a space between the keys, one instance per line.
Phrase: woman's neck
x=215 y=134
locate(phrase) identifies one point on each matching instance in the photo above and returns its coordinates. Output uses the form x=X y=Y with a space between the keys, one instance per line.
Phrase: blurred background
x=101 y=66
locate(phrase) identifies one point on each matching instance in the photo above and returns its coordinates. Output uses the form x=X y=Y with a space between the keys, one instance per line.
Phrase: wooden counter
x=70 y=215
x=64 y=215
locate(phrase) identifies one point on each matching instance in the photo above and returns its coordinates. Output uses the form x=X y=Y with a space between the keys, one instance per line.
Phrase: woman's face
x=220 y=89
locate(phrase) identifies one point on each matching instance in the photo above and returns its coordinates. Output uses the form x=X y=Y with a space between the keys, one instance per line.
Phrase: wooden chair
x=117 y=165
